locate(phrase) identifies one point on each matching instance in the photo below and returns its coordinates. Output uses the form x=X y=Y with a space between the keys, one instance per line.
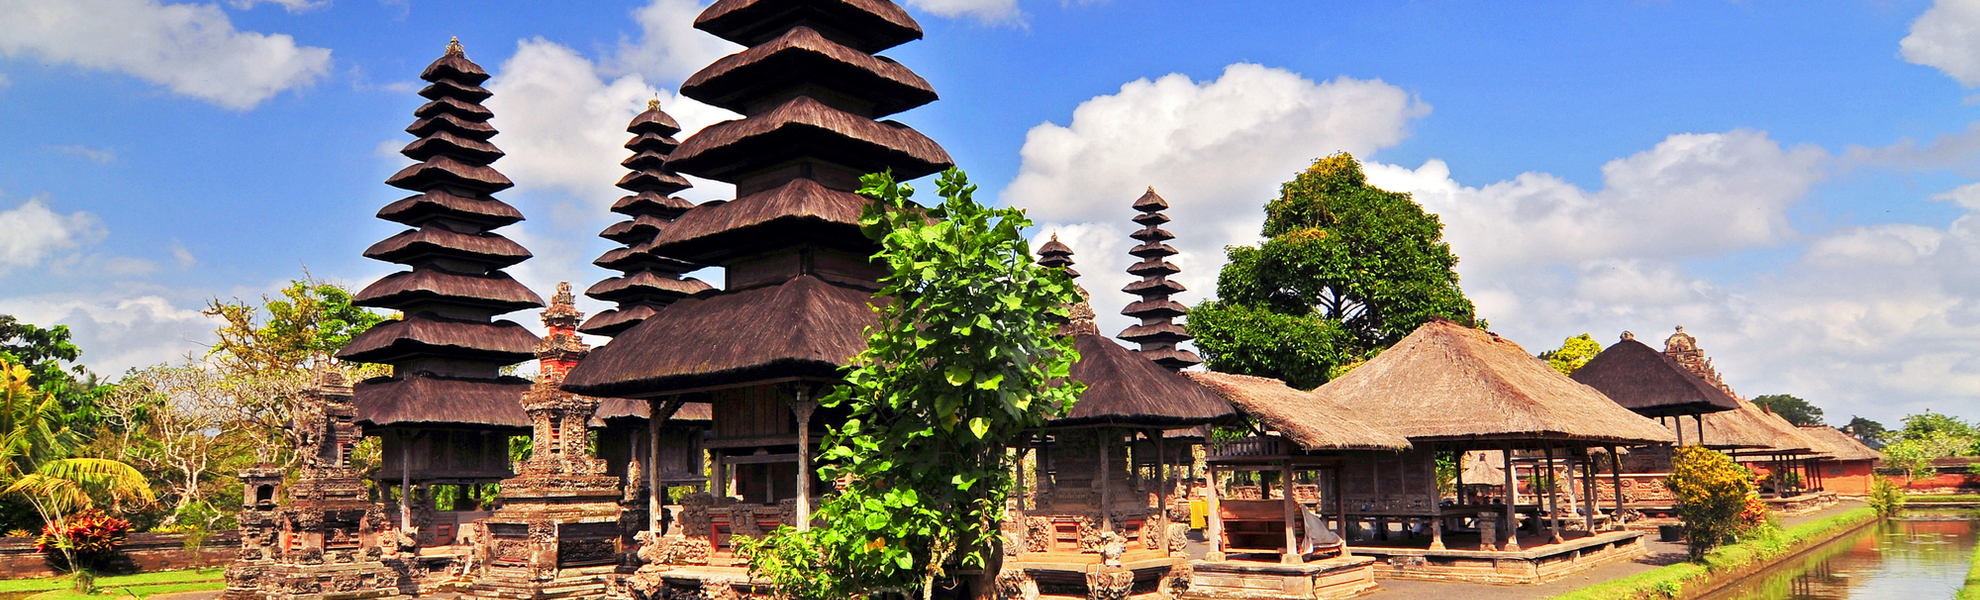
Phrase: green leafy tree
x=1711 y=492
x=1929 y=424
x=1886 y=497
x=1573 y=353
x=959 y=364
x=1795 y=410
x=1871 y=433
x=1346 y=270
x=301 y=331
x=44 y=352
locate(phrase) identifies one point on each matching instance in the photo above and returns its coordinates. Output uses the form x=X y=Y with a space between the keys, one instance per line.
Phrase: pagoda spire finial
x=454 y=47
x=1158 y=333
x=653 y=104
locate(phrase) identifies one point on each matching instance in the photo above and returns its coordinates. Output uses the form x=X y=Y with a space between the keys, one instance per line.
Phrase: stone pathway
x=1661 y=553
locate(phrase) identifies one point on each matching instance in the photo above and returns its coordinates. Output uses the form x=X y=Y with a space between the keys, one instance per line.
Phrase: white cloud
x=1947 y=37
x=1956 y=151
x=104 y=156
x=129 y=326
x=1216 y=150
x=669 y=48
x=988 y=11
x=182 y=256
x=192 y=49
x=293 y=6
x=31 y=232
x=1691 y=195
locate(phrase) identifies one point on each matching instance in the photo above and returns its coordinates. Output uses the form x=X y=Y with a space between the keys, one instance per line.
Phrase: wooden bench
x=1253 y=526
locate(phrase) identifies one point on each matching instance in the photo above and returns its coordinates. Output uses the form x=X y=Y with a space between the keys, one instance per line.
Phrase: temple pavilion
x=446 y=412
x=1451 y=389
x=798 y=280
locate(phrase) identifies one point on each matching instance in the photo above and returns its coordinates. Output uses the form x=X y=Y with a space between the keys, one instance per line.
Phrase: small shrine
x=446 y=412
x=328 y=541
x=557 y=532
x=1099 y=525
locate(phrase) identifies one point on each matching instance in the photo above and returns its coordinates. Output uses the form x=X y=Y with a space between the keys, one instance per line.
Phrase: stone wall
x=142 y=552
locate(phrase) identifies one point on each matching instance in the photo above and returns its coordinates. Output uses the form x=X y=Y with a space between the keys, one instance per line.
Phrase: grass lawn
x=139 y=585
x=1931 y=498
x=1972 y=589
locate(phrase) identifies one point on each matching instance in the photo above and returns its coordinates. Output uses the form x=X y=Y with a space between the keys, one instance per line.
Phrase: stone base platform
x=1143 y=575
x=1801 y=504
x=517 y=583
x=1341 y=577
x=1534 y=564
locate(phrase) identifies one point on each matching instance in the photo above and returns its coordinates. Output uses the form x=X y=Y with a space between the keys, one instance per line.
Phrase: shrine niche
x=328 y=541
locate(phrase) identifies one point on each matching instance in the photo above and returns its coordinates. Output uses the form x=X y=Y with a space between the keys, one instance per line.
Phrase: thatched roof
x=711 y=231
x=427 y=400
x=614 y=410
x=1124 y=388
x=1791 y=439
x=1305 y=418
x=1650 y=383
x=1450 y=382
x=804 y=327
x=429 y=334
x=805 y=127
x=1732 y=430
x=802 y=55
x=1840 y=445
x=867 y=25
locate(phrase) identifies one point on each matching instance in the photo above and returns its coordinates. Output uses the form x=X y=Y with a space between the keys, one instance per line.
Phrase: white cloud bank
x=193 y=49
x=32 y=232
x=1947 y=37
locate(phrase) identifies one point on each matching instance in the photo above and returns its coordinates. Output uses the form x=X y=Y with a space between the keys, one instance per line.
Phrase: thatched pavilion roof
x=1650 y=383
x=1841 y=445
x=1313 y=422
x=697 y=414
x=1448 y=382
x=1735 y=430
x=1125 y=388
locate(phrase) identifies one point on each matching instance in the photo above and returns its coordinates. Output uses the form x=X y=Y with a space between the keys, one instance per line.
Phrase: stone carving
x=1014 y=584
x=1109 y=584
x=1089 y=533
x=742 y=521
x=1178 y=539
x=1038 y=534
x=1111 y=548
x=694 y=519
x=1176 y=583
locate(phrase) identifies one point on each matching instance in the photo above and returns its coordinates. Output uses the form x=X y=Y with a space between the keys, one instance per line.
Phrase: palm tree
x=34 y=464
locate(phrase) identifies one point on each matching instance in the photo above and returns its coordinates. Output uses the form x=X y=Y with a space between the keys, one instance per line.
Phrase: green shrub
x=1886 y=497
x=1712 y=493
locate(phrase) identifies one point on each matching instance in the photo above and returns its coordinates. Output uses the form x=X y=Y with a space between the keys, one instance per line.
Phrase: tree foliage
x=1573 y=353
x=1346 y=270
x=301 y=331
x=1886 y=497
x=1711 y=493
x=43 y=352
x=1870 y=432
x=1795 y=410
x=959 y=364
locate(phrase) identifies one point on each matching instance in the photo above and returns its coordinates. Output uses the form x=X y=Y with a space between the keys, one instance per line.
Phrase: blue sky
x=1783 y=179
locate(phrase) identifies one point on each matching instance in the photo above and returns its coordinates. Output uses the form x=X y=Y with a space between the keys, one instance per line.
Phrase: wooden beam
x=1512 y=495
x=1292 y=556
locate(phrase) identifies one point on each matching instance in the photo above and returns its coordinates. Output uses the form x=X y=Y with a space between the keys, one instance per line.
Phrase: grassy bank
x=1670 y=581
x=125 y=586
x=1971 y=591
x=1926 y=499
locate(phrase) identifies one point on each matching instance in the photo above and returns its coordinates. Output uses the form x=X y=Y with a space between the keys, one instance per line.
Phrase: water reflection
x=1922 y=557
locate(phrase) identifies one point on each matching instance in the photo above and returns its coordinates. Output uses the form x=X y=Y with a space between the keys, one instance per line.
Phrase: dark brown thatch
x=611 y=322
x=447 y=88
x=1450 y=382
x=711 y=230
x=868 y=25
x=413 y=244
x=442 y=170
x=653 y=203
x=425 y=400
x=643 y=284
x=801 y=56
x=1842 y=446
x=691 y=414
x=445 y=122
x=495 y=290
x=1303 y=417
x=418 y=334
x=1789 y=438
x=454 y=66
x=1742 y=429
x=416 y=210
x=805 y=127
x=1644 y=380
x=803 y=327
x=442 y=142
x=1124 y=388
x=473 y=112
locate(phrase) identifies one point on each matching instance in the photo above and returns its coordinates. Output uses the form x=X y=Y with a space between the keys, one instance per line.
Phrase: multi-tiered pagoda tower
x=799 y=280
x=446 y=412
x=651 y=281
x=1158 y=332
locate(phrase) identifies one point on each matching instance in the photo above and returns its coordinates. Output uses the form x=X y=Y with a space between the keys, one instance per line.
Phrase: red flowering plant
x=90 y=536
x=1754 y=515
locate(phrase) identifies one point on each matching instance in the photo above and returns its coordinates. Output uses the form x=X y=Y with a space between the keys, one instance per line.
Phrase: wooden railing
x=1257 y=446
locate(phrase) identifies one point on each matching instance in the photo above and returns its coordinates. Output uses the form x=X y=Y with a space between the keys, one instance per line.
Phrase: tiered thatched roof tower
x=446 y=354
x=651 y=281
x=1158 y=332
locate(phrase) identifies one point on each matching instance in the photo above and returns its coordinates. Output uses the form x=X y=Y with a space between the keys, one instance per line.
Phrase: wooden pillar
x=1215 y=523
x=1615 y=462
x=721 y=472
x=1292 y=556
x=1700 y=420
x=1587 y=487
x=1678 y=424
x=802 y=409
x=1340 y=509
x=1512 y=496
x=1162 y=477
x=1553 y=497
x=656 y=498
x=405 y=484
x=1106 y=478
x=1436 y=506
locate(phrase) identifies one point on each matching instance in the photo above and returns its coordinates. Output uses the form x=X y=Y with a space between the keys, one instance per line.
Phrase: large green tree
x=1795 y=410
x=959 y=365
x=1573 y=353
x=299 y=331
x=1346 y=270
x=1870 y=432
x=50 y=358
